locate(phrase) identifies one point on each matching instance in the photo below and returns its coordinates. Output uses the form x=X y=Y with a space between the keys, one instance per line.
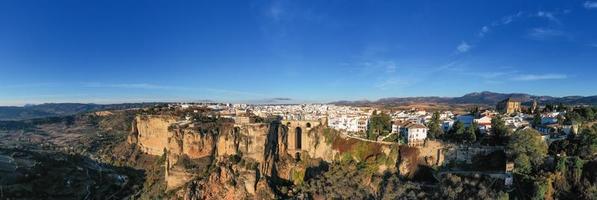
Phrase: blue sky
x=309 y=51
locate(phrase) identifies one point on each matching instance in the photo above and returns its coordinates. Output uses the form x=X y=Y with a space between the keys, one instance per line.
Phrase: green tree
x=561 y=119
x=588 y=113
x=588 y=142
x=572 y=117
x=528 y=150
x=548 y=108
x=471 y=133
x=379 y=124
x=475 y=111
x=540 y=187
x=537 y=119
x=435 y=129
x=577 y=165
x=562 y=107
x=561 y=165
x=457 y=131
x=499 y=128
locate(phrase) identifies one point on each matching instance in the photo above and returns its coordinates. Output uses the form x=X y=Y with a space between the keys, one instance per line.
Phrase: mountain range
x=482 y=98
x=59 y=109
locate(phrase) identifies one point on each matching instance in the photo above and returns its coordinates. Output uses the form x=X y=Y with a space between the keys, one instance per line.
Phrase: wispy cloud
x=149 y=86
x=391 y=82
x=146 y=86
x=507 y=19
x=539 y=34
x=233 y=92
x=484 y=30
x=590 y=4
x=494 y=77
x=545 y=33
x=538 y=77
x=453 y=66
x=548 y=15
x=373 y=67
x=489 y=75
x=463 y=47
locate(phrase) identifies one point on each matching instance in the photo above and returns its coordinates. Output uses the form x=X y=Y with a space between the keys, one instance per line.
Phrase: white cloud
x=548 y=15
x=590 y=4
x=391 y=82
x=483 y=31
x=148 y=86
x=463 y=47
x=374 y=67
x=544 y=33
x=507 y=19
x=537 y=77
x=489 y=75
x=130 y=86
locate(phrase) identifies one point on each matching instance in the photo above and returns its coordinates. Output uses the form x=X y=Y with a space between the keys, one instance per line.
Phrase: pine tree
x=499 y=128
x=537 y=119
x=435 y=129
x=471 y=133
x=457 y=131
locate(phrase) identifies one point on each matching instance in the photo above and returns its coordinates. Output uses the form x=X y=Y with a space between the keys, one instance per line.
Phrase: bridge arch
x=298 y=134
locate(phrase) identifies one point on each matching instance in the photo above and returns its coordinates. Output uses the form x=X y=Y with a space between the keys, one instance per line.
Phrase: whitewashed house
x=414 y=133
x=447 y=125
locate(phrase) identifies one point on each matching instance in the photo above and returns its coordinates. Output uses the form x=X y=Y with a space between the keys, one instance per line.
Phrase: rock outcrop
x=219 y=159
x=151 y=133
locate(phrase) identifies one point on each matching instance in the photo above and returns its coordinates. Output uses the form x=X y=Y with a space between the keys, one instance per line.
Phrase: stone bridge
x=298 y=134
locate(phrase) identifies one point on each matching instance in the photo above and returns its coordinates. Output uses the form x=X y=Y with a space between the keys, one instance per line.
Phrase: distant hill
x=59 y=109
x=482 y=98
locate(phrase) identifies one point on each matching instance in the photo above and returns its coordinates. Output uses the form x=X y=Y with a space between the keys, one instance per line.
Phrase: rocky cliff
x=150 y=132
x=215 y=158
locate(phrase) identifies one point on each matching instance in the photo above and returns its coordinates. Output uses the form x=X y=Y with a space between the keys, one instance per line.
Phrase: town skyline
x=479 y=98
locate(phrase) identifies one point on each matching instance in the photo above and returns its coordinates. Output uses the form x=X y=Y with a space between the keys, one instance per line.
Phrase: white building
x=447 y=125
x=414 y=133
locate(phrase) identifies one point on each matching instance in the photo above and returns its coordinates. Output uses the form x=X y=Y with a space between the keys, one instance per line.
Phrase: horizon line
x=264 y=101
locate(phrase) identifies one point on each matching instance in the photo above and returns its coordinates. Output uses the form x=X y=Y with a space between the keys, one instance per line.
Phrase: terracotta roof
x=399 y=123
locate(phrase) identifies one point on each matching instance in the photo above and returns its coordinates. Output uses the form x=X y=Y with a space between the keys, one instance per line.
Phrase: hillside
x=482 y=98
x=59 y=109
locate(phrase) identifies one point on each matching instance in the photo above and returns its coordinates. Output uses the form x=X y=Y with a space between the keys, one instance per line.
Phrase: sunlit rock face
x=272 y=149
x=150 y=132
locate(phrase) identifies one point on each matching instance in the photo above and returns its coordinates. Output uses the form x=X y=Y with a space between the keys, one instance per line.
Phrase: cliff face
x=190 y=145
x=151 y=133
x=228 y=160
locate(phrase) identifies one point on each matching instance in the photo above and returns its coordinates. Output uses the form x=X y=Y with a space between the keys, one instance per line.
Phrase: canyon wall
x=150 y=132
x=268 y=150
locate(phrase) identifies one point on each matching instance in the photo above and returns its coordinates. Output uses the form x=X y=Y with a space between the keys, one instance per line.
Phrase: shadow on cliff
x=272 y=157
